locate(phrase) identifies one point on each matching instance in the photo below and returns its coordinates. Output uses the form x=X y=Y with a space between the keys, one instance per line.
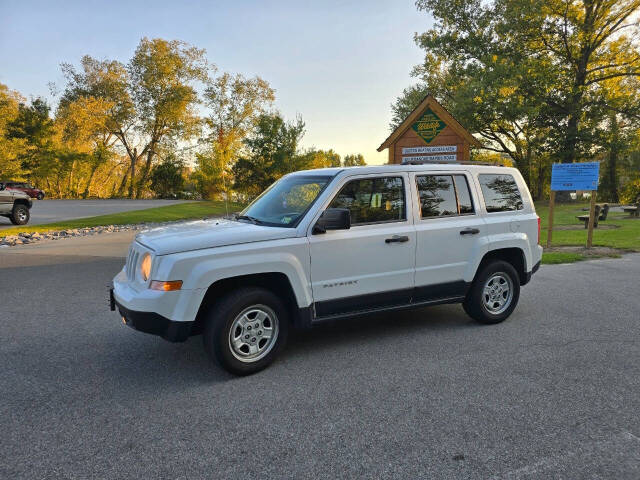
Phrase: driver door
x=371 y=265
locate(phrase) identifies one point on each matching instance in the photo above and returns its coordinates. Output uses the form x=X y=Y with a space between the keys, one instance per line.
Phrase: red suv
x=30 y=190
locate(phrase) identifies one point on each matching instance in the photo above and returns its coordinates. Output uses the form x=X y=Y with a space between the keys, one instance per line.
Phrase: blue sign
x=575 y=176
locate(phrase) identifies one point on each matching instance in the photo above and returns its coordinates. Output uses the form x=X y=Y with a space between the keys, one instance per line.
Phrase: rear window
x=500 y=193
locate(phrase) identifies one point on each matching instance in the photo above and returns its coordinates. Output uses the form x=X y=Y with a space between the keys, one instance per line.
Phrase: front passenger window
x=372 y=200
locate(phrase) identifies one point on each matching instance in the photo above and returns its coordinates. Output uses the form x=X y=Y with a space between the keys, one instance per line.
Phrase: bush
x=631 y=192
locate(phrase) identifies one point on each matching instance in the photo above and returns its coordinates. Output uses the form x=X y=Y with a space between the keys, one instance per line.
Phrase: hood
x=196 y=235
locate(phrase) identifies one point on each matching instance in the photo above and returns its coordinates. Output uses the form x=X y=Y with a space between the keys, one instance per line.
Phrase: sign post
x=552 y=202
x=574 y=176
x=592 y=220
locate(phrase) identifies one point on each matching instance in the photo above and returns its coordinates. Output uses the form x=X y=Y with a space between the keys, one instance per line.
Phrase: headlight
x=145 y=267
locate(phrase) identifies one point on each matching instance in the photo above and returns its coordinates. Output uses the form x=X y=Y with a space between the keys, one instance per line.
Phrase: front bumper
x=151 y=322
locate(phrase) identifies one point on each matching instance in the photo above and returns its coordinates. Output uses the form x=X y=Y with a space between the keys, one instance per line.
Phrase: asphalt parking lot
x=47 y=211
x=554 y=392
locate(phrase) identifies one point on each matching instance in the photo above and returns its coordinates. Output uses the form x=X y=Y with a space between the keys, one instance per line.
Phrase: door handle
x=469 y=231
x=397 y=239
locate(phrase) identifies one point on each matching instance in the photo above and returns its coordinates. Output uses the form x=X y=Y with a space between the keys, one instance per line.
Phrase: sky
x=338 y=64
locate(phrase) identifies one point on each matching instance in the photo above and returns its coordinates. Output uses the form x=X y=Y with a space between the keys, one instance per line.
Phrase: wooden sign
x=438 y=149
x=429 y=133
x=428 y=126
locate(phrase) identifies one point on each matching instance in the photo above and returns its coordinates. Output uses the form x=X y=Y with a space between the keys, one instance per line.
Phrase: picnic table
x=600 y=214
x=632 y=210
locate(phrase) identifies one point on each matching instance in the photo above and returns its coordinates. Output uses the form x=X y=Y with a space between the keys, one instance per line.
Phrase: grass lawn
x=626 y=237
x=182 y=211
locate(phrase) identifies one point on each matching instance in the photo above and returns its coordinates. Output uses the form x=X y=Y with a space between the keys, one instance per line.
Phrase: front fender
x=200 y=269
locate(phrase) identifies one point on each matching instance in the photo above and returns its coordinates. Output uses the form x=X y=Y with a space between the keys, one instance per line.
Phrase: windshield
x=286 y=201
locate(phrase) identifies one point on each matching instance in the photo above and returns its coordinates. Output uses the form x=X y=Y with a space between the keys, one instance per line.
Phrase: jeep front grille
x=132 y=262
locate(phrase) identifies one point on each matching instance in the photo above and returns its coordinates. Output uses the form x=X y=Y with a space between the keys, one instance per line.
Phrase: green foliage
x=356 y=160
x=166 y=177
x=315 y=158
x=536 y=80
x=236 y=103
x=631 y=192
x=12 y=149
x=35 y=127
x=153 y=99
x=271 y=153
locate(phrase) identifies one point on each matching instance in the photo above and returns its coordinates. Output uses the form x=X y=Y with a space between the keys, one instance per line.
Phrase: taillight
x=539 y=227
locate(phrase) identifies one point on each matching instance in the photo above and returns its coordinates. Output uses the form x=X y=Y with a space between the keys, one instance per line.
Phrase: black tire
x=20 y=214
x=40 y=196
x=475 y=304
x=222 y=316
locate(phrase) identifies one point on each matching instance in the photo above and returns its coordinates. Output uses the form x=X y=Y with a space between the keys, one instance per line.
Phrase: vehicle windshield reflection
x=285 y=202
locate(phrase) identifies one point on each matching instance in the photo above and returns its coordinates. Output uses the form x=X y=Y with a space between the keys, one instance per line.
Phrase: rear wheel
x=245 y=330
x=40 y=196
x=19 y=214
x=494 y=293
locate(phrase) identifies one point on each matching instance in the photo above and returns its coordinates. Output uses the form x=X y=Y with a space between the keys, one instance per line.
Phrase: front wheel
x=20 y=214
x=494 y=293
x=245 y=330
x=40 y=196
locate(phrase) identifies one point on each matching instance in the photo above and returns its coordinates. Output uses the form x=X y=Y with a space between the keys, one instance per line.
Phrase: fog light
x=166 y=286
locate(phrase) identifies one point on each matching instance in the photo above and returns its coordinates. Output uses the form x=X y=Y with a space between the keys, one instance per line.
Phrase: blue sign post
x=574 y=176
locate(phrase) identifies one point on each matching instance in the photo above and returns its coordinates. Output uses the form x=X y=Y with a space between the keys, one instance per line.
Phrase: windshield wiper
x=253 y=220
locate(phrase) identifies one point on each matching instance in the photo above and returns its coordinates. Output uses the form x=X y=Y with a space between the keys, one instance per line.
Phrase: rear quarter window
x=500 y=193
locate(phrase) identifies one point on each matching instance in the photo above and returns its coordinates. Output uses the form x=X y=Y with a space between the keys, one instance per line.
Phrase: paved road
x=554 y=392
x=47 y=211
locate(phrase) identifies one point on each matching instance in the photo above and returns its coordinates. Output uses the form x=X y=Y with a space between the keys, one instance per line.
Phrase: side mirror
x=333 y=219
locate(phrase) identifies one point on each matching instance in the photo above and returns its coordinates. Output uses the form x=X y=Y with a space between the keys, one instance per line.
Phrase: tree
x=166 y=178
x=356 y=160
x=12 y=149
x=528 y=77
x=272 y=151
x=590 y=42
x=236 y=103
x=474 y=67
x=84 y=130
x=315 y=158
x=154 y=99
x=35 y=127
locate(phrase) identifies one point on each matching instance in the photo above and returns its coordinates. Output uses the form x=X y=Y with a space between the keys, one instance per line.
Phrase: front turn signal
x=166 y=286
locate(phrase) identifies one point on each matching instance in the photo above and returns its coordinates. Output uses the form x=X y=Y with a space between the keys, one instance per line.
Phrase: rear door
x=450 y=232
x=371 y=265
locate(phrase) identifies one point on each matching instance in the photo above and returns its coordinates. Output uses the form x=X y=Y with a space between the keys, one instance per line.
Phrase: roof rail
x=448 y=162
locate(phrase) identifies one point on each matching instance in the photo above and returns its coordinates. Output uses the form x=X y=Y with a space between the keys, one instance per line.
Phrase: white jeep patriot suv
x=332 y=243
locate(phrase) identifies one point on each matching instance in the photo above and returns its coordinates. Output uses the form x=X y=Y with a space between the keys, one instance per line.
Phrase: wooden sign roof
x=428 y=119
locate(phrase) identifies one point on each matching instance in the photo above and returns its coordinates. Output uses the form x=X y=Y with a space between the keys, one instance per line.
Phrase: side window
x=500 y=193
x=373 y=200
x=437 y=195
x=465 y=204
x=444 y=195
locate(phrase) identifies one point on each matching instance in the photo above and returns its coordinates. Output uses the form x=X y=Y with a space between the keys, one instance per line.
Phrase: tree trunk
x=123 y=184
x=134 y=159
x=85 y=194
x=610 y=182
x=145 y=172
